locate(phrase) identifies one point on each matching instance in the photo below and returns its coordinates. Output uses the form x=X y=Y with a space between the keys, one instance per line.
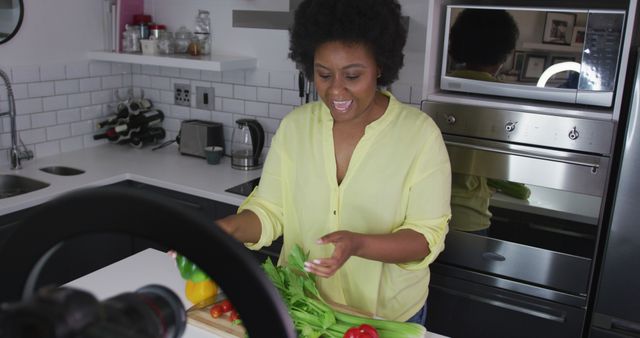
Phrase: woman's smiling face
x=345 y=78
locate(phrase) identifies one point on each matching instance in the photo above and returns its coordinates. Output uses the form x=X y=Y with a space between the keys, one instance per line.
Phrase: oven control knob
x=451 y=120
x=510 y=126
x=574 y=134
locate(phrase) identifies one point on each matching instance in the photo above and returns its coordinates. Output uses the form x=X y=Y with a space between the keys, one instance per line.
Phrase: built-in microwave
x=560 y=55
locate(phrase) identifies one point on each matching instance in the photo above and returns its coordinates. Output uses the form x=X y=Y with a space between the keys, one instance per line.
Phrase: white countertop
x=169 y=169
x=111 y=163
x=159 y=268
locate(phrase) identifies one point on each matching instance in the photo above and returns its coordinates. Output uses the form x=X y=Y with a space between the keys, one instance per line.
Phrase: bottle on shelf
x=147 y=136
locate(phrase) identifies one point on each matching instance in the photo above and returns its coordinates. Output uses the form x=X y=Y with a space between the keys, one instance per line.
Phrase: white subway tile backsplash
x=90 y=142
x=210 y=75
x=291 y=97
x=256 y=108
x=217 y=104
x=77 y=70
x=160 y=82
x=58 y=132
x=193 y=74
x=233 y=106
x=22 y=74
x=153 y=95
x=180 y=112
x=270 y=95
x=170 y=71
x=171 y=124
x=71 y=144
x=245 y=93
x=102 y=97
x=52 y=72
x=279 y=111
x=167 y=97
x=28 y=106
x=224 y=118
x=23 y=122
x=257 y=77
x=201 y=114
x=82 y=127
x=140 y=80
x=54 y=102
x=43 y=119
x=91 y=112
x=233 y=76
x=283 y=79
x=68 y=115
x=223 y=90
x=112 y=82
x=20 y=91
x=150 y=70
x=33 y=136
x=67 y=87
x=90 y=84
x=47 y=148
x=79 y=100
x=120 y=68
x=99 y=68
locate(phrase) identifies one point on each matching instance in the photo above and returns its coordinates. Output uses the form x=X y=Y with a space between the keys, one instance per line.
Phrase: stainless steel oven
x=527 y=195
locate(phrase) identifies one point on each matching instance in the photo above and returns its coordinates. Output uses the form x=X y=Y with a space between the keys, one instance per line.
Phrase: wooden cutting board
x=224 y=328
x=221 y=326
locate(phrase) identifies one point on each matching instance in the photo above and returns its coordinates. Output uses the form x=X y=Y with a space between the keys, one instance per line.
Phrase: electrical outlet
x=182 y=93
x=205 y=98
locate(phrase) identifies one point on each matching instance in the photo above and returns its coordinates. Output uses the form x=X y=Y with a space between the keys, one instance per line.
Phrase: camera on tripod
x=152 y=311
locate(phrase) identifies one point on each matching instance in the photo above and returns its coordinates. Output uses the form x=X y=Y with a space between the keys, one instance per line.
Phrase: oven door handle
x=524 y=154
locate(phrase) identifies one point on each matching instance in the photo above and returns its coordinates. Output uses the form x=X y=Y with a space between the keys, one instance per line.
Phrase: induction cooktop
x=245 y=188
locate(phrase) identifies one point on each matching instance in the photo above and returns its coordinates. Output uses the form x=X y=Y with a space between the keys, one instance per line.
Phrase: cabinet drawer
x=460 y=308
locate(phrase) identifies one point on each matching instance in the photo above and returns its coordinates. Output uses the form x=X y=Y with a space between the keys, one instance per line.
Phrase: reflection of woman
x=482 y=40
x=359 y=180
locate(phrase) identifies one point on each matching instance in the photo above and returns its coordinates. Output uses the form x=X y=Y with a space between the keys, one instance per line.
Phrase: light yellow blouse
x=399 y=177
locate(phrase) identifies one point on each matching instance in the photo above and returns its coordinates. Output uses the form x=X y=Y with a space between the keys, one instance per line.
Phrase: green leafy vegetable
x=311 y=316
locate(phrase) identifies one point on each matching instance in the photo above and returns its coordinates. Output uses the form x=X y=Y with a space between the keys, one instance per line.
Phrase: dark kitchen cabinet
x=459 y=307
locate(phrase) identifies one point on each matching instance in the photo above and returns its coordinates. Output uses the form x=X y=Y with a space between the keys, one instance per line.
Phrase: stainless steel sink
x=62 y=171
x=14 y=185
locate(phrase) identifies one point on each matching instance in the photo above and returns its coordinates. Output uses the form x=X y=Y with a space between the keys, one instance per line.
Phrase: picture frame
x=517 y=60
x=533 y=66
x=558 y=28
x=577 y=38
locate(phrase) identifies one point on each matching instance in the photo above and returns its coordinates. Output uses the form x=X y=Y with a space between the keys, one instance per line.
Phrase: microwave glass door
x=566 y=56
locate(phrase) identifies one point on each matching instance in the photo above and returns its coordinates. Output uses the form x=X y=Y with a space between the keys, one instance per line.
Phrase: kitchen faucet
x=15 y=153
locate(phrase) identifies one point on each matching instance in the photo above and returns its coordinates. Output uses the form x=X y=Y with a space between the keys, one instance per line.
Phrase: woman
x=359 y=180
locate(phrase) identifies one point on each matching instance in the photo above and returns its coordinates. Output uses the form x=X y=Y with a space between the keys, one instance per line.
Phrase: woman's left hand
x=346 y=244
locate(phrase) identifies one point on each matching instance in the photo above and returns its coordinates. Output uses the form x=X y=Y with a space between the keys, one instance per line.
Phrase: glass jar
x=155 y=30
x=165 y=43
x=131 y=39
x=182 y=40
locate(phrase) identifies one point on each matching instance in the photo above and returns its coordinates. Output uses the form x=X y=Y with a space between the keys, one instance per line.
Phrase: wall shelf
x=214 y=62
x=552 y=48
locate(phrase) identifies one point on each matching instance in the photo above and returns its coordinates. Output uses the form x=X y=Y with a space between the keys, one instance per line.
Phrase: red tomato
x=226 y=306
x=368 y=329
x=353 y=332
x=234 y=315
x=216 y=311
x=362 y=331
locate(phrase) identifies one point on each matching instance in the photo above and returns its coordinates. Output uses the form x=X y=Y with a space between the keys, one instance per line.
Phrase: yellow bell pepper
x=199 y=291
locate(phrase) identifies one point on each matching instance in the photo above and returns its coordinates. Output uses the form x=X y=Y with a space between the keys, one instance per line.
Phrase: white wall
x=272 y=46
x=54 y=32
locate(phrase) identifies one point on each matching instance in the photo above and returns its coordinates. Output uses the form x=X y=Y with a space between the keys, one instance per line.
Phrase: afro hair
x=377 y=24
x=483 y=37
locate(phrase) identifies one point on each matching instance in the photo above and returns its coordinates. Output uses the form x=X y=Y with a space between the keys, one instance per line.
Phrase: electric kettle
x=246 y=145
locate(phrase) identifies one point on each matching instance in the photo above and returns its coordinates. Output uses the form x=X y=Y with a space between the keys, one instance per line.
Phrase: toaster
x=195 y=135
